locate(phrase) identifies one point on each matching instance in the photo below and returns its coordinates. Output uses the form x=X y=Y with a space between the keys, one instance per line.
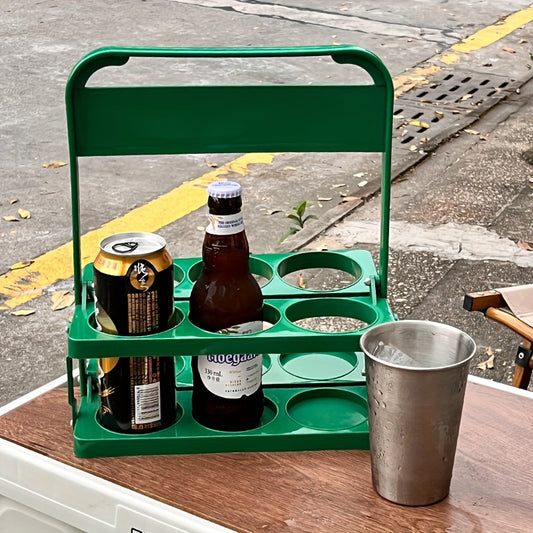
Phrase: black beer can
x=134 y=295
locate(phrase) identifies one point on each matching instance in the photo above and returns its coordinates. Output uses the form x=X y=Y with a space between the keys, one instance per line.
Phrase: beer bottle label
x=225 y=224
x=233 y=375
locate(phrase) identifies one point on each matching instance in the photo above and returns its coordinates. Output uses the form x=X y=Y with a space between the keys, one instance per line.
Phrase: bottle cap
x=224 y=189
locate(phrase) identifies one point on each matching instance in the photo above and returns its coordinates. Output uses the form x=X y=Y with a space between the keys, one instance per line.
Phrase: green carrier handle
x=116 y=120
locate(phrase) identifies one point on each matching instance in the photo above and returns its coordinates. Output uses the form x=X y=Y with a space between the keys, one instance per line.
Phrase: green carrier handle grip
x=118 y=56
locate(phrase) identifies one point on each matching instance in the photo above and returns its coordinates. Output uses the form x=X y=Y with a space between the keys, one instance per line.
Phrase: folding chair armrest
x=511 y=322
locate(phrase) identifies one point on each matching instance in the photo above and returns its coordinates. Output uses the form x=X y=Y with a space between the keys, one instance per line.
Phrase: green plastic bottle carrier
x=315 y=394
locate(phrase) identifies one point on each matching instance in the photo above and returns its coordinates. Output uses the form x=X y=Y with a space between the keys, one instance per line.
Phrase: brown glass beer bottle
x=227 y=391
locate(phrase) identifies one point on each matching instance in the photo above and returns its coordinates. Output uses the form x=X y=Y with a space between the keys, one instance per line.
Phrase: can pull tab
x=125 y=247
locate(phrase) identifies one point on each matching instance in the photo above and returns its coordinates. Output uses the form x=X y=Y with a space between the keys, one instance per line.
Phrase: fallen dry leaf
x=61 y=300
x=22 y=264
x=24 y=213
x=9 y=218
x=301 y=281
x=13 y=201
x=471 y=132
x=525 y=245
x=23 y=312
x=465 y=97
x=211 y=164
x=419 y=124
x=54 y=164
x=438 y=114
x=272 y=211
x=489 y=363
x=350 y=199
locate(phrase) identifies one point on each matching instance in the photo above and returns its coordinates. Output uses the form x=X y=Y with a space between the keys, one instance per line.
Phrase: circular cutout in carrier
x=267 y=363
x=179 y=364
x=260 y=270
x=319 y=366
x=175 y=320
x=331 y=315
x=270 y=411
x=327 y=409
x=179 y=275
x=179 y=415
x=319 y=271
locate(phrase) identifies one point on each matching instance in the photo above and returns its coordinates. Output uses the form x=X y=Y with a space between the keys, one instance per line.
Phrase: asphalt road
x=43 y=40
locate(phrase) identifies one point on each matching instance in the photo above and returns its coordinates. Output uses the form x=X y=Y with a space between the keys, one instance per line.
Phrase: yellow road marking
x=491 y=34
x=476 y=41
x=23 y=285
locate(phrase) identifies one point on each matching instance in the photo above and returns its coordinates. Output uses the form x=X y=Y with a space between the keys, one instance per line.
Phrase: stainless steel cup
x=415 y=411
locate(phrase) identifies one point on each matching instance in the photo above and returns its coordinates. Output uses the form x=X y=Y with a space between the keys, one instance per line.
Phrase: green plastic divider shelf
x=315 y=393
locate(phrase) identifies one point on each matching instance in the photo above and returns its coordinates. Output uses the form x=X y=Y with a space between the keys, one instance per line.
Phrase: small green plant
x=299 y=218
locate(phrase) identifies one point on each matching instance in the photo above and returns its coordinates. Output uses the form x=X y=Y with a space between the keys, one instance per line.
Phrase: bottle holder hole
x=319 y=271
x=261 y=270
x=330 y=315
x=175 y=320
x=319 y=366
x=327 y=409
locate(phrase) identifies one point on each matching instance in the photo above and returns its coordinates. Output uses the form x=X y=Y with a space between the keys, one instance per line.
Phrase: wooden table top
x=491 y=491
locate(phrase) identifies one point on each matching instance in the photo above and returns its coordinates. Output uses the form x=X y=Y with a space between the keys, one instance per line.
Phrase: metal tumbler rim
x=374 y=330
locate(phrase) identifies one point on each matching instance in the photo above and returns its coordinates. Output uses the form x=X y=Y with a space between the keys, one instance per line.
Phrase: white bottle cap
x=224 y=189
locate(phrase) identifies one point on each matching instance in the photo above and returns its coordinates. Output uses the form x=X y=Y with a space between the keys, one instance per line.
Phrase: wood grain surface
x=324 y=491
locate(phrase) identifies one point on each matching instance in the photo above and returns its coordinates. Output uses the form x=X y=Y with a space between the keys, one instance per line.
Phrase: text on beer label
x=225 y=224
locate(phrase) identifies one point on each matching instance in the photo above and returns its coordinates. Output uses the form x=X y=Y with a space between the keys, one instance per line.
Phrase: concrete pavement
x=417 y=44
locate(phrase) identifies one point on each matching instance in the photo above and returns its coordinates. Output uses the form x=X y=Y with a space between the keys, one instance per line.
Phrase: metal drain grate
x=425 y=126
x=466 y=91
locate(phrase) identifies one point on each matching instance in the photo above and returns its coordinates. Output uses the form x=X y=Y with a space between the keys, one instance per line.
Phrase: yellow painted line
x=23 y=285
x=476 y=41
x=495 y=32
